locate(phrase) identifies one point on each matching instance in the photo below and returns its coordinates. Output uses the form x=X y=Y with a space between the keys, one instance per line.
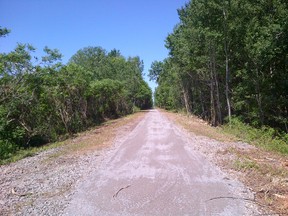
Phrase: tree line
x=43 y=99
x=227 y=59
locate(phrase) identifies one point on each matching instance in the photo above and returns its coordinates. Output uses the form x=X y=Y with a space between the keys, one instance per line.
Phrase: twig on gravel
x=271 y=214
x=235 y=198
x=20 y=195
x=116 y=194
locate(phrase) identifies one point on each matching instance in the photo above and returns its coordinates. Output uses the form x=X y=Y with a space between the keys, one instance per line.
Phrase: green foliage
x=265 y=137
x=168 y=93
x=227 y=57
x=109 y=97
x=42 y=102
x=156 y=70
x=4 y=32
x=245 y=164
x=143 y=98
x=136 y=109
x=52 y=56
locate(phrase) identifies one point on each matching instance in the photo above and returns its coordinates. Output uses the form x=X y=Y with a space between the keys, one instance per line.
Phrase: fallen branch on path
x=20 y=195
x=116 y=194
x=235 y=198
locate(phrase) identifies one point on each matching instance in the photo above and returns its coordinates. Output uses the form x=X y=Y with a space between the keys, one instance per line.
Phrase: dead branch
x=116 y=194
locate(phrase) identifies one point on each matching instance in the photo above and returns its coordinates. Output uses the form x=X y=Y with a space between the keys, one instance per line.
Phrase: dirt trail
x=156 y=171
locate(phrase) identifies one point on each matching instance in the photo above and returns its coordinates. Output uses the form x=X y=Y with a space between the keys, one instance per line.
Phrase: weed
x=245 y=164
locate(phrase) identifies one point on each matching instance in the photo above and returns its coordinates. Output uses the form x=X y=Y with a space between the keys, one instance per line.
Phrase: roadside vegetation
x=44 y=100
x=265 y=137
x=227 y=64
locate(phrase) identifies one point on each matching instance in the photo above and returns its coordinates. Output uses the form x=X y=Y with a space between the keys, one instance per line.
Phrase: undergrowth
x=265 y=137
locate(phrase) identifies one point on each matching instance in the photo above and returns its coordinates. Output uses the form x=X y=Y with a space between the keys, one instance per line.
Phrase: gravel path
x=157 y=169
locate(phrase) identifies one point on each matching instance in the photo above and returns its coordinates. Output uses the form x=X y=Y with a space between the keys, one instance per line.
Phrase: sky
x=136 y=28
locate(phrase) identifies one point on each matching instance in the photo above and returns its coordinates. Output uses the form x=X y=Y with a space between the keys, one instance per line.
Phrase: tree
x=43 y=100
x=227 y=57
x=155 y=71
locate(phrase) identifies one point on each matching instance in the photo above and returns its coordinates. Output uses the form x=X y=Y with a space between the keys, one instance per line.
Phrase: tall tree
x=228 y=57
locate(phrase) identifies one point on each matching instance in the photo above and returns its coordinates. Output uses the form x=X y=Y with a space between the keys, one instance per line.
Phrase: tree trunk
x=259 y=97
x=227 y=88
x=227 y=70
x=215 y=89
x=212 y=104
x=186 y=100
x=212 y=87
x=203 y=115
x=218 y=104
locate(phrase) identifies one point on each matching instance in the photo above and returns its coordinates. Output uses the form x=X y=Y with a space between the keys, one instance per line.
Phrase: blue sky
x=136 y=28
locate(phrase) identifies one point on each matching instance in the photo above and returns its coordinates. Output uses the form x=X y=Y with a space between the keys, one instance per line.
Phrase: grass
x=245 y=164
x=266 y=138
